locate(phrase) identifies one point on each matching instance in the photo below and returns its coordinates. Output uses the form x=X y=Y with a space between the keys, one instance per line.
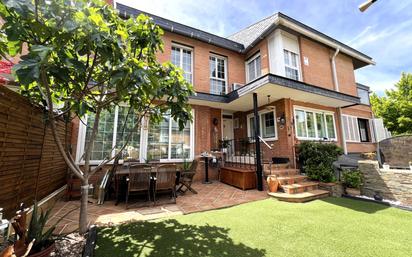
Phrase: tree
x=84 y=59
x=395 y=108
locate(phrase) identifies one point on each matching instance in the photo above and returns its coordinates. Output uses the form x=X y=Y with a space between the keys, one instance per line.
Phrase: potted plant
x=352 y=181
x=273 y=184
x=224 y=144
x=37 y=240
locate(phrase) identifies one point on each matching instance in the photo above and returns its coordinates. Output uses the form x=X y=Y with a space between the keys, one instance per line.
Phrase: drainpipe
x=336 y=84
x=335 y=77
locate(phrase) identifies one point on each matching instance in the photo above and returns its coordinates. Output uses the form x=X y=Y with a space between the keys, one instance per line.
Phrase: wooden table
x=122 y=173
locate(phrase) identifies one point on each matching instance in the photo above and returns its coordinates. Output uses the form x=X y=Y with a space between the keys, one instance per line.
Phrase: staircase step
x=288 y=180
x=300 y=187
x=300 y=197
x=282 y=172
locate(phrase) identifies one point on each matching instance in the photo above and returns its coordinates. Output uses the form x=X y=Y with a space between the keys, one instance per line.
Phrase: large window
x=113 y=133
x=364 y=96
x=182 y=57
x=291 y=64
x=267 y=121
x=218 y=82
x=164 y=141
x=167 y=142
x=356 y=129
x=253 y=68
x=314 y=124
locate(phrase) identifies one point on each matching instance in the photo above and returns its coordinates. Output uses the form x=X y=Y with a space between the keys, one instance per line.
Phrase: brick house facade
x=304 y=81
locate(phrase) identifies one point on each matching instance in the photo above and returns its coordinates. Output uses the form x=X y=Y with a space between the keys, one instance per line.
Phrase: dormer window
x=253 y=68
x=291 y=64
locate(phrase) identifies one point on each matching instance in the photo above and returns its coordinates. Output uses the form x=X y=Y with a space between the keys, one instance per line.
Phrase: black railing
x=242 y=152
x=239 y=152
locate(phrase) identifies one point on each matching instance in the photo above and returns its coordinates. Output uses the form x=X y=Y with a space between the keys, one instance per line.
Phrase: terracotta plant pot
x=273 y=184
x=45 y=253
x=353 y=191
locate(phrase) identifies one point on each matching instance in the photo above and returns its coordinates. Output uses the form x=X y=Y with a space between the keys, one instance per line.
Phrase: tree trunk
x=83 y=206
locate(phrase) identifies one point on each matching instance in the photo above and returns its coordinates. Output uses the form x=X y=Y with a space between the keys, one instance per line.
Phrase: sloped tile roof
x=249 y=35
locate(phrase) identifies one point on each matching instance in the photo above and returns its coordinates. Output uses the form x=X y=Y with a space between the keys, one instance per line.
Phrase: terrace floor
x=210 y=196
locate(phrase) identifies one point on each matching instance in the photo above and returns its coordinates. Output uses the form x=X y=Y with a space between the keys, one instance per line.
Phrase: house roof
x=184 y=30
x=249 y=35
x=245 y=39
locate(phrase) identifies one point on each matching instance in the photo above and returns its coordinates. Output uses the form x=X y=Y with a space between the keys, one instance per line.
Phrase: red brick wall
x=319 y=70
x=202 y=51
x=262 y=47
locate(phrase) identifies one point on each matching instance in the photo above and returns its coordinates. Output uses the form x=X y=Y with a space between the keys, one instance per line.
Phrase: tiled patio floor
x=210 y=196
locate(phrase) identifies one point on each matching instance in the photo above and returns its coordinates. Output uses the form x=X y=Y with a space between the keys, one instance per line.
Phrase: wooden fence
x=31 y=167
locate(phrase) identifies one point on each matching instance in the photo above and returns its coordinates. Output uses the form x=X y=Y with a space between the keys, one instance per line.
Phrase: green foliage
x=352 y=179
x=37 y=229
x=396 y=106
x=224 y=143
x=91 y=58
x=317 y=159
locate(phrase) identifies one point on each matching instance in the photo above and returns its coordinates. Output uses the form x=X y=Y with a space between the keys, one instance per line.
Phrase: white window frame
x=261 y=113
x=144 y=132
x=315 y=111
x=289 y=66
x=169 y=152
x=253 y=59
x=216 y=78
x=181 y=47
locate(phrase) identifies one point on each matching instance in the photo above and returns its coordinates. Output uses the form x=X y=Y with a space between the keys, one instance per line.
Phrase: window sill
x=317 y=139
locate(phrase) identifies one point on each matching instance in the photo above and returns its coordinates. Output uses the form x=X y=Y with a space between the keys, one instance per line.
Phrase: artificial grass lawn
x=330 y=227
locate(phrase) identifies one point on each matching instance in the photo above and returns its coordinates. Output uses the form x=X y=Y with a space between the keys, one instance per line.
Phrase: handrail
x=261 y=139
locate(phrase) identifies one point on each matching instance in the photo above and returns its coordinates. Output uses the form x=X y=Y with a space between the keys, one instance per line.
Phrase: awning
x=277 y=87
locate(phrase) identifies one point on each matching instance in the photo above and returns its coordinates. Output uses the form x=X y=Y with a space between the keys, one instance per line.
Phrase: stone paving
x=210 y=196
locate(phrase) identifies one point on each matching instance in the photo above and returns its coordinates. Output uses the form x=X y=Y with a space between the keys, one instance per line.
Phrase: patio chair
x=165 y=180
x=186 y=178
x=138 y=180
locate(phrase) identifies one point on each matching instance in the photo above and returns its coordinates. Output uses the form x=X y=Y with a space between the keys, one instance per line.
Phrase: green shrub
x=317 y=160
x=352 y=179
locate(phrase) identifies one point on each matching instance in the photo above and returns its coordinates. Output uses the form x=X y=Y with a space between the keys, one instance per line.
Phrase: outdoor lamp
x=366 y=5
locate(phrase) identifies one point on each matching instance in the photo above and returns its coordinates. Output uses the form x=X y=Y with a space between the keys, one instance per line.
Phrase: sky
x=383 y=32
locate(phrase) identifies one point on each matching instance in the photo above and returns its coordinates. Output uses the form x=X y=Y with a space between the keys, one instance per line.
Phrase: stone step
x=288 y=180
x=300 y=197
x=300 y=187
x=282 y=172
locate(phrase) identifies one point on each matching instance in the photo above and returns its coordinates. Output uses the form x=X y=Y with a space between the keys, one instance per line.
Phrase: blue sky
x=383 y=32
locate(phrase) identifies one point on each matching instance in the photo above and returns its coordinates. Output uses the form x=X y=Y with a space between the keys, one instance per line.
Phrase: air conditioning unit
x=236 y=86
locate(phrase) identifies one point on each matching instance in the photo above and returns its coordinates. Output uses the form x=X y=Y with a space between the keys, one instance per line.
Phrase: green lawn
x=331 y=227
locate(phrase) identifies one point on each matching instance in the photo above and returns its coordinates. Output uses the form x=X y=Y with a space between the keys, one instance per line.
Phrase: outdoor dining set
x=152 y=180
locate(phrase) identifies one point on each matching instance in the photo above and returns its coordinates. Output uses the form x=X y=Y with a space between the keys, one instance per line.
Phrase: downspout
x=334 y=75
x=336 y=84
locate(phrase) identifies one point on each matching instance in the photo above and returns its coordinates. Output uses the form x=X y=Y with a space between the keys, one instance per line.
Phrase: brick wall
x=395 y=185
x=319 y=70
x=202 y=51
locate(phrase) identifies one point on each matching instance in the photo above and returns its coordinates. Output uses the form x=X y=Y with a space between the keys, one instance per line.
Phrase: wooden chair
x=186 y=178
x=138 y=180
x=165 y=180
